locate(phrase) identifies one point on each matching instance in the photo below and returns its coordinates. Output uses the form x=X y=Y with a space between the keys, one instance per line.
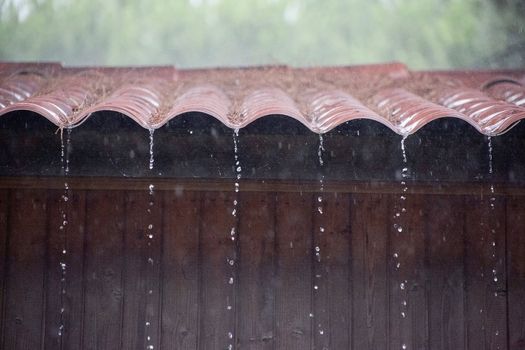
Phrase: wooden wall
x=445 y=253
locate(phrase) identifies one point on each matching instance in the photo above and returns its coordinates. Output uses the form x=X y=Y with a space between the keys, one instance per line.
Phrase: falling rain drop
x=151 y=156
x=233 y=230
x=65 y=150
x=320 y=211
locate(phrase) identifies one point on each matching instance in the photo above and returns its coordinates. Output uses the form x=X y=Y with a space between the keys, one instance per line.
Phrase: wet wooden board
x=407 y=283
x=369 y=271
x=217 y=295
x=4 y=254
x=180 y=270
x=444 y=248
x=71 y=237
x=516 y=271
x=25 y=285
x=294 y=286
x=256 y=285
x=444 y=228
x=104 y=262
x=332 y=273
x=486 y=301
x=141 y=280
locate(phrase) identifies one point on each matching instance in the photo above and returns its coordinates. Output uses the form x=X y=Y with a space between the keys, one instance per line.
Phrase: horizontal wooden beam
x=115 y=183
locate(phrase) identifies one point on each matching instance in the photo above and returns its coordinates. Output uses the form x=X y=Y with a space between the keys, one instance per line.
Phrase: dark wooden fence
x=454 y=300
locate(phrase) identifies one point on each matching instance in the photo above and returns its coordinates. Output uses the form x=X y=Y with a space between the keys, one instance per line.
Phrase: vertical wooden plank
x=72 y=315
x=25 y=295
x=4 y=207
x=408 y=296
x=485 y=251
x=516 y=271
x=444 y=228
x=369 y=229
x=256 y=294
x=141 y=269
x=103 y=271
x=216 y=249
x=180 y=266
x=293 y=296
x=332 y=298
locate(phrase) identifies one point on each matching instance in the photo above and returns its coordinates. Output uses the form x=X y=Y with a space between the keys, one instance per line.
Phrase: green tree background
x=423 y=34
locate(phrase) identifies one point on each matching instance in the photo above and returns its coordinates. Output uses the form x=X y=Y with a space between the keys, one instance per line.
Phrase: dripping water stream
x=492 y=224
x=63 y=228
x=319 y=230
x=150 y=235
x=231 y=261
x=400 y=213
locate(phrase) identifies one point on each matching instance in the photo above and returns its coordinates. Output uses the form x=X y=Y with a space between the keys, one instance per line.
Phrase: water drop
x=151 y=157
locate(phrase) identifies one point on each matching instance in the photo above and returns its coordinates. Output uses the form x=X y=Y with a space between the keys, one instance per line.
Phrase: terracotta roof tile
x=319 y=98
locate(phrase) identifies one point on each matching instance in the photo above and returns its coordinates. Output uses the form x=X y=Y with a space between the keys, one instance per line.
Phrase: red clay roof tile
x=319 y=98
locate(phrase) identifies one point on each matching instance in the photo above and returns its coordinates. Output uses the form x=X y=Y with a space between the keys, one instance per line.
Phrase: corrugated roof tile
x=319 y=98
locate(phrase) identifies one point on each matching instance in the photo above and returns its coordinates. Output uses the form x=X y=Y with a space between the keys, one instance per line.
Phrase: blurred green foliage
x=424 y=34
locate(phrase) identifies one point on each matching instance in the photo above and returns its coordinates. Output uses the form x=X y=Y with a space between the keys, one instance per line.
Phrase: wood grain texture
x=26 y=276
x=369 y=271
x=141 y=273
x=216 y=294
x=486 y=299
x=256 y=287
x=332 y=275
x=516 y=271
x=445 y=248
x=180 y=270
x=72 y=238
x=104 y=261
x=408 y=290
x=4 y=254
x=294 y=285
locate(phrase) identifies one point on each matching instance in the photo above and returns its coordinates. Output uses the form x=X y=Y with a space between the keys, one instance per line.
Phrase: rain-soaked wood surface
x=218 y=263
x=332 y=303
x=516 y=271
x=256 y=285
x=446 y=255
x=445 y=274
x=485 y=274
x=407 y=285
x=70 y=238
x=103 y=278
x=142 y=238
x=369 y=271
x=294 y=278
x=25 y=283
x=180 y=270
x=4 y=200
